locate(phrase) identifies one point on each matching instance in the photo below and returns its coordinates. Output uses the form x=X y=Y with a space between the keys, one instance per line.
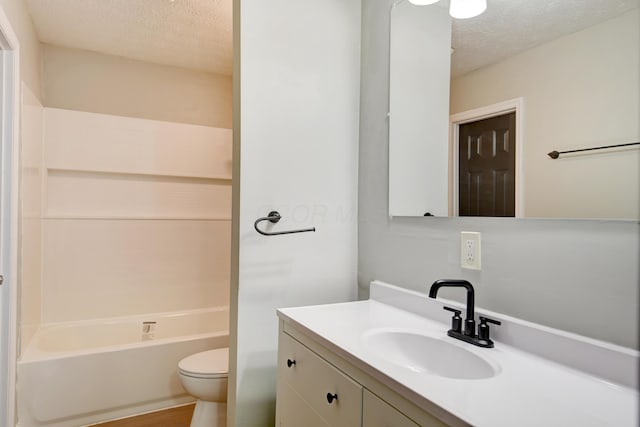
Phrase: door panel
x=487 y=167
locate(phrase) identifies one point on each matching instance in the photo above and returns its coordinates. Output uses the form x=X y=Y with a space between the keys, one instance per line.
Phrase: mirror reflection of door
x=486 y=168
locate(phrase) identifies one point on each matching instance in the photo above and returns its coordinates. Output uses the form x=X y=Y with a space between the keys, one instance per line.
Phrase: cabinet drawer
x=312 y=378
x=378 y=413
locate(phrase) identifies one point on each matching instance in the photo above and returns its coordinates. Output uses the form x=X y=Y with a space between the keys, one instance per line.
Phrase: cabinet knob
x=290 y=363
x=331 y=397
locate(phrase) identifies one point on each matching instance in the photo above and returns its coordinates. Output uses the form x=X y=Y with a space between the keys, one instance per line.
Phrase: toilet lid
x=206 y=364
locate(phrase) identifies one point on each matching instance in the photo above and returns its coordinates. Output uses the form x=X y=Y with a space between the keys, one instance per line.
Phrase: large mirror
x=526 y=79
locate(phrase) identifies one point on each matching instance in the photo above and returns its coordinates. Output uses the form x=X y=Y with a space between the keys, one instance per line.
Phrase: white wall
x=137 y=216
x=295 y=151
x=81 y=80
x=31 y=216
x=580 y=276
x=579 y=91
x=137 y=212
x=30 y=65
x=15 y=12
x=31 y=128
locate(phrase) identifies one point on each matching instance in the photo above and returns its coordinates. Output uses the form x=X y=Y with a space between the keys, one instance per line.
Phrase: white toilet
x=204 y=376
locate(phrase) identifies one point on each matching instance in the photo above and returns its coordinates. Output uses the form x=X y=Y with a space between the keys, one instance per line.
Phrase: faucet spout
x=469 y=334
x=457 y=283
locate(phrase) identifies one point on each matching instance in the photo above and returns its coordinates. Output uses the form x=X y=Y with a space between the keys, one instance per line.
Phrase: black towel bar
x=555 y=154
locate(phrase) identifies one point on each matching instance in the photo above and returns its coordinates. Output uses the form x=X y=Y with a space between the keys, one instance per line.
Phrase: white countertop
x=528 y=390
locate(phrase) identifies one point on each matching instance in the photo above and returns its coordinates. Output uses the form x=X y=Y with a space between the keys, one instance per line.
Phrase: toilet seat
x=206 y=364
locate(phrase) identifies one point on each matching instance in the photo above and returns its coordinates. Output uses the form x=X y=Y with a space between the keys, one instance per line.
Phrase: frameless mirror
x=418 y=109
x=525 y=81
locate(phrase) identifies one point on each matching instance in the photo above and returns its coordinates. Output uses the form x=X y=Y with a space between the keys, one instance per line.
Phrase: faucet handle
x=483 y=328
x=456 y=320
x=456 y=311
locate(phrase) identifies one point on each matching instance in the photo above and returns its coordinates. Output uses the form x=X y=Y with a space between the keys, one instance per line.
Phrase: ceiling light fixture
x=463 y=9
x=459 y=9
x=422 y=2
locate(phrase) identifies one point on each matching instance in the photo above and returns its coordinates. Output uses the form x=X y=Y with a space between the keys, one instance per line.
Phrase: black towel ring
x=273 y=218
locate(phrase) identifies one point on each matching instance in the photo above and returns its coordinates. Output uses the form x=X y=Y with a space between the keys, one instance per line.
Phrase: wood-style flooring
x=173 y=417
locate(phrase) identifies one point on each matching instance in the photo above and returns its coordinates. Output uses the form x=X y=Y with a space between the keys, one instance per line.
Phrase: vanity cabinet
x=318 y=388
x=325 y=390
x=378 y=413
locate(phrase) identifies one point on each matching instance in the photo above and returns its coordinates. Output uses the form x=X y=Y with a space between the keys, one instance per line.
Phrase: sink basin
x=423 y=353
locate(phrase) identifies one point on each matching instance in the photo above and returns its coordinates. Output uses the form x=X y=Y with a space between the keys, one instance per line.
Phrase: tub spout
x=148 y=330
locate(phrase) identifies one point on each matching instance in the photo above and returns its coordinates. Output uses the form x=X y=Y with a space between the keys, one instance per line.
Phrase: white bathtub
x=75 y=374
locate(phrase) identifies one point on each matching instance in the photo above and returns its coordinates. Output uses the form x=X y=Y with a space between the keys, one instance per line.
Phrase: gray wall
x=576 y=275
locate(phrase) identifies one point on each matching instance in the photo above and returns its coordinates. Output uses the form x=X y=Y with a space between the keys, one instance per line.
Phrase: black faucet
x=469 y=334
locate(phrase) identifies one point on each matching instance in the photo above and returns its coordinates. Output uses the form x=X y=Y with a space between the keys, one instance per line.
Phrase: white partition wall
x=296 y=131
x=137 y=216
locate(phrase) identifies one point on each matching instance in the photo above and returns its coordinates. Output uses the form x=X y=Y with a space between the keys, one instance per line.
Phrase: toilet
x=204 y=376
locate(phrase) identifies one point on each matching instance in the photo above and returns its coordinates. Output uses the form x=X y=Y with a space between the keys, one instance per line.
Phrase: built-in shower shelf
x=90 y=142
x=135 y=218
x=123 y=174
x=85 y=194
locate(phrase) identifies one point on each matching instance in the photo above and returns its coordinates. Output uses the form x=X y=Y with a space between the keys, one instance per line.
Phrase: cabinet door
x=313 y=379
x=291 y=408
x=378 y=413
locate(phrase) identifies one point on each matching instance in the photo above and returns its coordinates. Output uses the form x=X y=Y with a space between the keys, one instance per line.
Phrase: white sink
x=428 y=354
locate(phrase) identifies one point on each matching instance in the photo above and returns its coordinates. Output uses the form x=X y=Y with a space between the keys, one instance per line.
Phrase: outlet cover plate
x=470 y=254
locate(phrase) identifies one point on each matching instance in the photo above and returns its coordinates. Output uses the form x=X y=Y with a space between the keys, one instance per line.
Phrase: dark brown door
x=487 y=166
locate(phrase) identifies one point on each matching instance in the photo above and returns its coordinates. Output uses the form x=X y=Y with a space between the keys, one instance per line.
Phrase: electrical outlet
x=469 y=246
x=470 y=250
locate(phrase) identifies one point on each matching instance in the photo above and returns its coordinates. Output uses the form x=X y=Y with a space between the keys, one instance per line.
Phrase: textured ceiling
x=197 y=34
x=511 y=26
x=194 y=34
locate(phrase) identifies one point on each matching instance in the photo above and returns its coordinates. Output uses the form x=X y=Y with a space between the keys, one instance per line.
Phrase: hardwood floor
x=172 y=417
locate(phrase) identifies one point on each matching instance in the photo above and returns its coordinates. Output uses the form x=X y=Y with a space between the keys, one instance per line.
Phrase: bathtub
x=80 y=373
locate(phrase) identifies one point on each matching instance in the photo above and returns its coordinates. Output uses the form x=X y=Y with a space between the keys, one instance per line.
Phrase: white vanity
x=361 y=364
